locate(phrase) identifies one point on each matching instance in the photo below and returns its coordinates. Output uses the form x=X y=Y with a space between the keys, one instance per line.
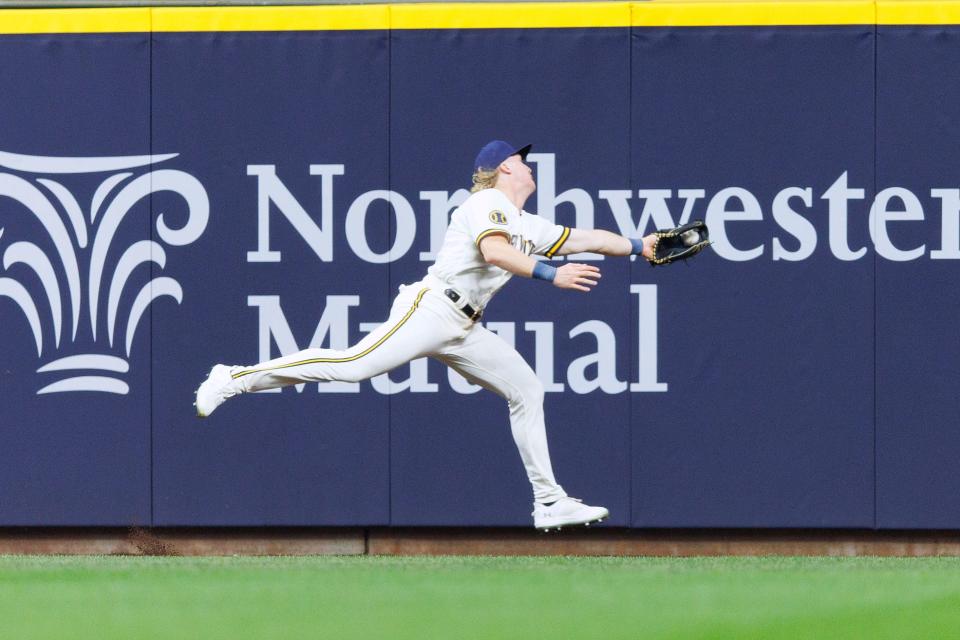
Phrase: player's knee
x=524 y=391
x=532 y=392
x=352 y=374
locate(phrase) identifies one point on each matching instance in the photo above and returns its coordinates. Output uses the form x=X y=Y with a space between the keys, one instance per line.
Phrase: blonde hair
x=484 y=179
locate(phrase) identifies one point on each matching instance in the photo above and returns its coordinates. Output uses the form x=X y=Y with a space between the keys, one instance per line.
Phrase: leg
x=485 y=359
x=403 y=337
x=410 y=332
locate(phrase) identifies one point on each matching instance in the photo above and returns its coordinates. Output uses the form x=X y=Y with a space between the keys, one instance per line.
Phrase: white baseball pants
x=424 y=322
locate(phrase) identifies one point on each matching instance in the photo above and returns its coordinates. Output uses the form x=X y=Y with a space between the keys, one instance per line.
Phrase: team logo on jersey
x=74 y=266
x=498 y=217
x=522 y=244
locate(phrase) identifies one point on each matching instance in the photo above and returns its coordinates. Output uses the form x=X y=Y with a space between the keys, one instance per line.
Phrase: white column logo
x=74 y=239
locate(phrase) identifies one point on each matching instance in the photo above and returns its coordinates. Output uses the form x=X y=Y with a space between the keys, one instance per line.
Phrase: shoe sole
x=581 y=523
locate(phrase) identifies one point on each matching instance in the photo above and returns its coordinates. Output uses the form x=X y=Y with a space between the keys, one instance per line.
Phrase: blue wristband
x=543 y=271
x=637 y=245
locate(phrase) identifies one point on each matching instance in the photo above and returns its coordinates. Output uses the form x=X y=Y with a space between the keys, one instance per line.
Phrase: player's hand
x=648 y=242
x=577 y=276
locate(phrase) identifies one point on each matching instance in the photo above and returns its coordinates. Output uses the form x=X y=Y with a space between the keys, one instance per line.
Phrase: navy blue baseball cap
x=496 y=151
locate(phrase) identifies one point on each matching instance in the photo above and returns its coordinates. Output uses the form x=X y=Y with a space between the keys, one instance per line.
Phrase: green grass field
x=454 y=597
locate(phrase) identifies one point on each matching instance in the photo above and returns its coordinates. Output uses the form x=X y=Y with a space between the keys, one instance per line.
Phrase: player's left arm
x=605 y=243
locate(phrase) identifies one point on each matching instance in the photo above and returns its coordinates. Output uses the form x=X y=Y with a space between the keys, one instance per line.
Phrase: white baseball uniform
x=425 y=321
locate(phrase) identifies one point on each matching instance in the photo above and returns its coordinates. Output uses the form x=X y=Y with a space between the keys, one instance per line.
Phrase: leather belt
x=463 y=305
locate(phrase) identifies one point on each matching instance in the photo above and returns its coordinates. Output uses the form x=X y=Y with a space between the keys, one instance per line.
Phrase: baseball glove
x=680 y=243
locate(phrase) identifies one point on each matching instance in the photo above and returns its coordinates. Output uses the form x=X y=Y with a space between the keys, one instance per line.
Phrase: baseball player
x=489 y=240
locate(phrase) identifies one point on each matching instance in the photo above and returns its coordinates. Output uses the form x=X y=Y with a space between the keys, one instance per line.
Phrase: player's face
x=522 y=171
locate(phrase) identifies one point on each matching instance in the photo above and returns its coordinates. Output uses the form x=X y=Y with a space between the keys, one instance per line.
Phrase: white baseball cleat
x=215 y=390
x=566 y=512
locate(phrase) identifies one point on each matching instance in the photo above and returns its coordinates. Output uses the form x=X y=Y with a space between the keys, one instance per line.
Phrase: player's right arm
x=604 y=242
x=496 y=250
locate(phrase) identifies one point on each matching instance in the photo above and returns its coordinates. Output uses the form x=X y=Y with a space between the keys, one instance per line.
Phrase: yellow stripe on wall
x=893 y=12
x=704 y=13
x=74 y=20
x=497 y=15
x=654 y=13
x=325 y=18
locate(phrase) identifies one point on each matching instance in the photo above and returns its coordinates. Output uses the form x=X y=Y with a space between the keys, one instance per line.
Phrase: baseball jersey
x=459 y=261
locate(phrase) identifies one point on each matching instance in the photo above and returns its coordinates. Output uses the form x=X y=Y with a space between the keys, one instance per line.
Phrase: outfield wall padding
x=185 y=187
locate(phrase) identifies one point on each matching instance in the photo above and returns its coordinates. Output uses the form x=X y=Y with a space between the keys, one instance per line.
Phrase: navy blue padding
x=768 y=421
x=918 y=443
x=817 y=393
x=72 y=458
x=290 y=100
x=453 y=461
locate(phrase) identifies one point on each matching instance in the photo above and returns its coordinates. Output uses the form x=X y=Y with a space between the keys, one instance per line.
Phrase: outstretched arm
x=604 y=242
x=497 y=251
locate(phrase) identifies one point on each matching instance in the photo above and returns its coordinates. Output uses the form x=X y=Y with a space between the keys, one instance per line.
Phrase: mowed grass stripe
x=457 y=597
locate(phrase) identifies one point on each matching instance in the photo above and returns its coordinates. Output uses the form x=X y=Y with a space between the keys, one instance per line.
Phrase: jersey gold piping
x=379 y=342
x=489 y=232
x=559 y=243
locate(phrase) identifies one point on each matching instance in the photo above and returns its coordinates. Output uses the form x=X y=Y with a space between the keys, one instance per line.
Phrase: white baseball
x=690 y=238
